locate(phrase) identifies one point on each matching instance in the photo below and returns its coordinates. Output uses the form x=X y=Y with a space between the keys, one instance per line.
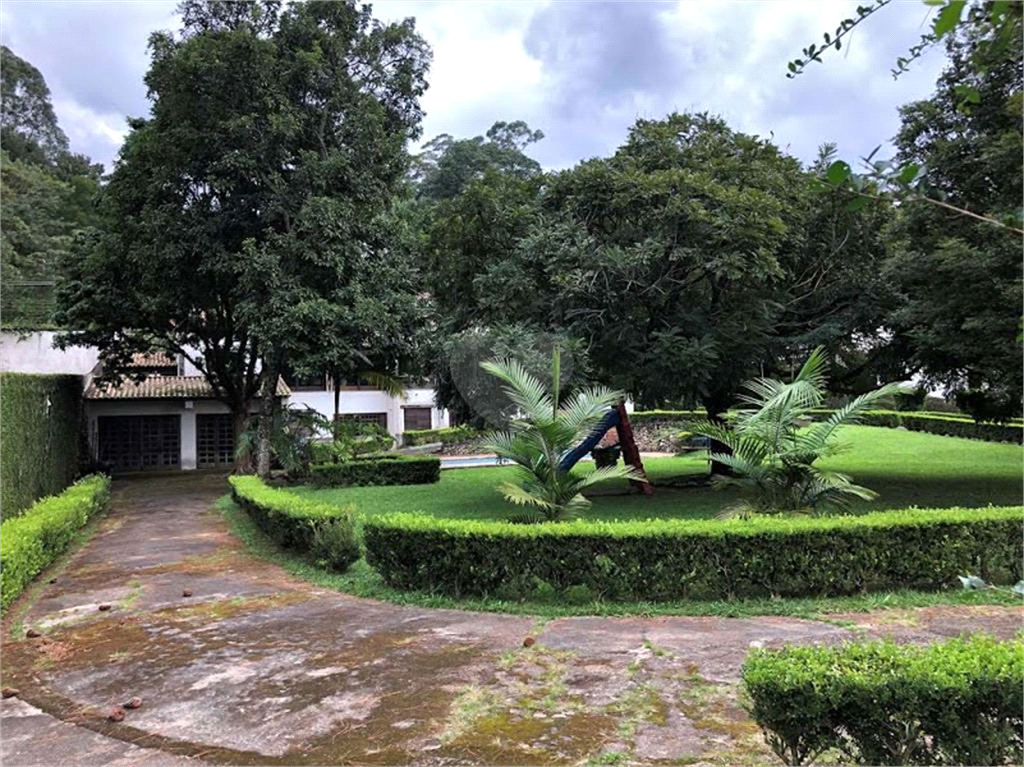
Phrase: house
x=171 y=419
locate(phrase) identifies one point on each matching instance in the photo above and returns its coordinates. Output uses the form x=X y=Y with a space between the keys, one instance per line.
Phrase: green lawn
x=905 y=468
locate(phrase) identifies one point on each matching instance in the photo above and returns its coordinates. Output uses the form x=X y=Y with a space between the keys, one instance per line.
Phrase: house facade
x=172 y=420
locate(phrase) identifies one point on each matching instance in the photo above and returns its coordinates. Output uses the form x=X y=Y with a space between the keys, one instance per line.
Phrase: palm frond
x=387 y=383
x=607 y=473
x=525 y=390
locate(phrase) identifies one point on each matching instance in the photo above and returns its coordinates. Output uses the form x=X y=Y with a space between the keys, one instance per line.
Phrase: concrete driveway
x=256 y=667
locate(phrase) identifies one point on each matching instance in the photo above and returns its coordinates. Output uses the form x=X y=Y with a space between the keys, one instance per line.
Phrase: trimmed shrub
x=448 y=436
x=29 y=543
x=327 y=532
x=959 y=702
x=389 y=470
x=660 y=560
x=41 y=422
x=945 y=425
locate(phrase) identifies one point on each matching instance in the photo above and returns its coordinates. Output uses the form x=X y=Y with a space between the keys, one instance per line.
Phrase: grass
x=905 y=468
x=363 y=581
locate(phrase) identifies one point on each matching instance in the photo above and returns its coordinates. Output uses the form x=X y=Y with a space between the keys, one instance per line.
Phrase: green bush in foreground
x=666 y=560
x=387 y=470
x=960 y=702
x=326 y=532
x=29 y=543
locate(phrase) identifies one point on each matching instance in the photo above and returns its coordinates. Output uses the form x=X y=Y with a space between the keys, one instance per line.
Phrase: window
x=417 y=418
x=381 y=419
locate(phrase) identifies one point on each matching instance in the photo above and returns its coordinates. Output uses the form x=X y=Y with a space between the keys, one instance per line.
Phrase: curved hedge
x=327 y=532
x=30 y=542
x=958 y=702
x=660 y=560
x=41 y=422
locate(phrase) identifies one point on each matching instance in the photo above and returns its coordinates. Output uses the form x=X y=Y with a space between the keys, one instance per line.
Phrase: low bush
x=389 y=470
x=31 y=542
x=326 y=532
x=662 y=560
x=945 y=425
x=959 y=702
x=449 y=436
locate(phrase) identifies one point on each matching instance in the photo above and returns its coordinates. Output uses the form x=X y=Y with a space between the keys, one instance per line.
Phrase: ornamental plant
x=773 y=454
x=543 y=430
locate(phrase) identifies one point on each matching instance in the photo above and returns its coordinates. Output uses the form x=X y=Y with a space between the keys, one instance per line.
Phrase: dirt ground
x=256 y=667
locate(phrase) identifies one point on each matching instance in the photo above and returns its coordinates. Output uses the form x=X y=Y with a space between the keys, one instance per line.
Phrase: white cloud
x=581 y=72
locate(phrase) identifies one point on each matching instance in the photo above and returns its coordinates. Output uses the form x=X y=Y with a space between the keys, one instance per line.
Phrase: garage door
x=215 y=440
x=417 y=418
x=140 y=442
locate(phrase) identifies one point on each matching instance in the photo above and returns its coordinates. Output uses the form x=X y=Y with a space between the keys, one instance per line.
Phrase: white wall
x=372 y=401
x=35 y=354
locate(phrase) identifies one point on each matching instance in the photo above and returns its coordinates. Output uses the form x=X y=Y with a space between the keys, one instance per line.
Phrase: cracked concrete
x=256 y=667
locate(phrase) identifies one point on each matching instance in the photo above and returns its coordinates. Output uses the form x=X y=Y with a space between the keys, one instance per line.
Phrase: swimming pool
x=470 y=461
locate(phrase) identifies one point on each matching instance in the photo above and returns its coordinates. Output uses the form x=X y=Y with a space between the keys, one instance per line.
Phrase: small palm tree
x=773 y=453
x=543 y=432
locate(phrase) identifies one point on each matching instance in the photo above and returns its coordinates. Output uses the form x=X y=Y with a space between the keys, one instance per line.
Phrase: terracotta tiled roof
x=162 y=387
x=154 y=360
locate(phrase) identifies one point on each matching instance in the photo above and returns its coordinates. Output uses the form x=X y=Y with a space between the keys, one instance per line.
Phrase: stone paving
x=256 y=667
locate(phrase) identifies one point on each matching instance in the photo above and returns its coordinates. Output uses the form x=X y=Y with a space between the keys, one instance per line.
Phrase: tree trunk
x=716 y=407
x=239 y=418
x=265 y=424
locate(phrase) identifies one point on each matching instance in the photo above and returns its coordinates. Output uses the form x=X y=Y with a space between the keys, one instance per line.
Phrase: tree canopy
x=241 y=211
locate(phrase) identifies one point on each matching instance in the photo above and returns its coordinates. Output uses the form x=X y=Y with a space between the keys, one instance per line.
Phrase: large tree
x=240 y=211
x=960 y=278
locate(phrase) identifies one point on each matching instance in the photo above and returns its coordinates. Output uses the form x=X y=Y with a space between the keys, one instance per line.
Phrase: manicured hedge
x=958 y=702
x=449 y=436
x=41 y=422
x=943 y=424
x=709 y=559
x=388 y=470
x=298 y=523
x=30 y=542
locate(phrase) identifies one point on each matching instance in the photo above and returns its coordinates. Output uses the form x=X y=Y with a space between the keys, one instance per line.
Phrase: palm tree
x=543 y=432
x=773 y=453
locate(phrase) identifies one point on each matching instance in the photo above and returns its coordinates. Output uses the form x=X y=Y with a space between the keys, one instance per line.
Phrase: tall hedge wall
x=40 y=437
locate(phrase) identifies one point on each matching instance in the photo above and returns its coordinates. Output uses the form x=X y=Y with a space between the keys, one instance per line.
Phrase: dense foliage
x=661 y=560
x=42 y=424
x=956 y=702
x=243 y=215
x=31 y=542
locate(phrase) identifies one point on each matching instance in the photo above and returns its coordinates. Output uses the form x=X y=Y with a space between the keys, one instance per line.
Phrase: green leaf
x=856 y=204
x=838 y=172
x=908 y=173
x=948 y=18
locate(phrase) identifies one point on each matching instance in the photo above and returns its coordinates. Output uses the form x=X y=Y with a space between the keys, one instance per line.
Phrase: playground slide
x=611 y=418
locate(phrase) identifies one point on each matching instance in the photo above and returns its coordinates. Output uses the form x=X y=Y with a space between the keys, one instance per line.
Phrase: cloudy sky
x=582 y=72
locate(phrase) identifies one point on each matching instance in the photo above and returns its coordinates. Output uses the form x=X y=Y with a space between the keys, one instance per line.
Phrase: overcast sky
x=582 y=72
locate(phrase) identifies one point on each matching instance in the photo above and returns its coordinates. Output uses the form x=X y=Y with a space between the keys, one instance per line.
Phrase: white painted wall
x=35 y=354
x=372 y=401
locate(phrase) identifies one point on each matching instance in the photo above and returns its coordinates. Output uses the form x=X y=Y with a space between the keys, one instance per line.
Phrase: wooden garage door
x=140 y=442
x=215 y=440
x=417 y=418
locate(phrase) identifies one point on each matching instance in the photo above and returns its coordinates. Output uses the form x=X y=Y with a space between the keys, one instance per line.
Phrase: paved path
x=256 y=667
